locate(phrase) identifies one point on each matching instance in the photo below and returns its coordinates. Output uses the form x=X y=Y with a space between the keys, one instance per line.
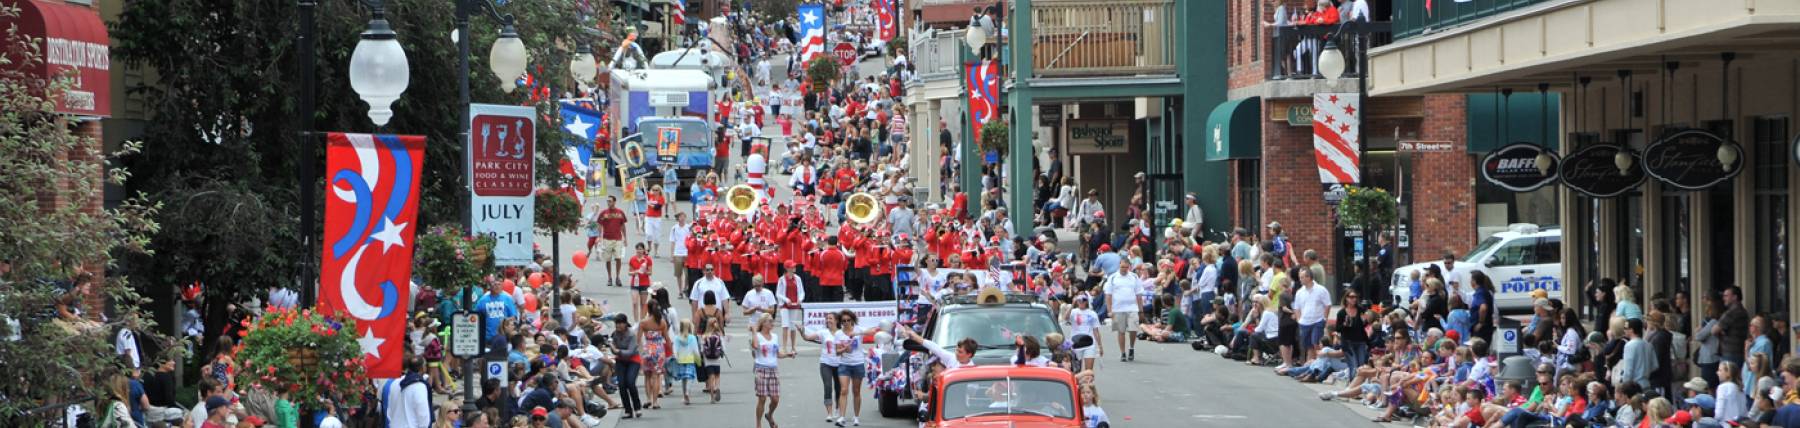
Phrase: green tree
x=222 y=97
x=48 y=176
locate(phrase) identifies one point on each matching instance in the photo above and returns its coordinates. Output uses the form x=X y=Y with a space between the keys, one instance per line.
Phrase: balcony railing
x=933 y=53
x=1094 y=38
x=1411 y=18
x=1296 y=48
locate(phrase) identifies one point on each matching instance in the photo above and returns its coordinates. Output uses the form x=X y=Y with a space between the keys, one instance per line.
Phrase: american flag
x=812 y=31
x=1335 y=142
x=680 y=11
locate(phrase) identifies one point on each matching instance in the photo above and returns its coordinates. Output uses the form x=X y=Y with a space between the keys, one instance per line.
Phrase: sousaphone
x=862 y=208
x=742 y=199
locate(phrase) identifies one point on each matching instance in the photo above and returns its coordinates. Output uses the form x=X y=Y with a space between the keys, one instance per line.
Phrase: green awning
x=1234 y=130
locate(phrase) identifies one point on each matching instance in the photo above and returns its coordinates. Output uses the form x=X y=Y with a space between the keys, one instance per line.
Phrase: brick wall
x=1444 y=217
x=1292 y=194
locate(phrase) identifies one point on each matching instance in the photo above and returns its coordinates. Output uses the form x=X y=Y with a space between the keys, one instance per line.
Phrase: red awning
x=75 y=39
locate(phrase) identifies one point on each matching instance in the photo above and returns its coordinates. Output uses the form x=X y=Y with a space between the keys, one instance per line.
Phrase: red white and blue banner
x=370 y=215
x=982 y=80
x=812 y=31
x=886 y=19
x=1336 y=144
x=679 y=11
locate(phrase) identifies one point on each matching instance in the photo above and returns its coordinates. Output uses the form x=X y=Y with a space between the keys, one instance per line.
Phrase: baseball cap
x=1105 y=247
x=214 y=403
x=1680 y=418
x=1703 y=401
x=539 y=412
x=1540 y=294
x=1274 y=225
x=1696 y=384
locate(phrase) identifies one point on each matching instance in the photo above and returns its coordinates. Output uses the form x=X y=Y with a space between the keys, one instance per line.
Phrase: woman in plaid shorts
x=768 y=374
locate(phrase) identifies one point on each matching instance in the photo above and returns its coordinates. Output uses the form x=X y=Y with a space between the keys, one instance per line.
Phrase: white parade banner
x=868 y=314
x=502 y=142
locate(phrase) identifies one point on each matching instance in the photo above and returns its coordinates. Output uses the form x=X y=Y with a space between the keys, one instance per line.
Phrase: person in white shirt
x=678 y=251
x=790 y=291
x=1083 y=322
x=126 y=344
x=1313 y=301
x=408 y=400
x=709 y=296
x=759 y=301
x=1124 y=298
x=1262 y=341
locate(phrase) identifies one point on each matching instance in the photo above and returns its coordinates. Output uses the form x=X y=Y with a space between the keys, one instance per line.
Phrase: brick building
x=1421 y=148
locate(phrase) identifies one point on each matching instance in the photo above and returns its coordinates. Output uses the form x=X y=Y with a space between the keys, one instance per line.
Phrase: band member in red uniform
x=829 y=264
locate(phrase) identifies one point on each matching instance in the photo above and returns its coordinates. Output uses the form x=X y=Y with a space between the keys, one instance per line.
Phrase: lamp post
x=378 y=74
x=507 y=60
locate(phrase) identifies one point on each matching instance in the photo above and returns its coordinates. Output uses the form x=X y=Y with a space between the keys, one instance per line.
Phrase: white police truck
x=1519 y=260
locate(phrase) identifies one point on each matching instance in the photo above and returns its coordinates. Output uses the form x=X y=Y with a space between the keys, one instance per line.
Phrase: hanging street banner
x=1693 y=159
x=982 y=81
x=1521 y=167
x=502 y=140
x=1336 y=145
x=887 y=22
x=370 y=213
x=1599 y=171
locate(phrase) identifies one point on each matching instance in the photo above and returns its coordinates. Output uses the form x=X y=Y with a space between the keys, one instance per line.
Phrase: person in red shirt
x=653 y=215
x=612 y=238
x=829 y=265
x=696 y=258
x=959 y=205
x=640 y=280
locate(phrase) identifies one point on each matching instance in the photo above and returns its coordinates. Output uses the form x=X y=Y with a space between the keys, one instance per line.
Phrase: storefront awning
x=1234 y=130
x=74 y=39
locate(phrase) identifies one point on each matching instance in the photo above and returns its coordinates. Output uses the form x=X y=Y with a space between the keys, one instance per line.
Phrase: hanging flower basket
x=447 y=261
x=310 y=356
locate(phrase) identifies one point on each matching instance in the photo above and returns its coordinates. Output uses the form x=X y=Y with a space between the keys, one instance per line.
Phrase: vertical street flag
x=887 y=27
x=982 y=80
x=812 y=31
x=368 y=254
x=502 y=145
x=1335 y=142
x=679 y=11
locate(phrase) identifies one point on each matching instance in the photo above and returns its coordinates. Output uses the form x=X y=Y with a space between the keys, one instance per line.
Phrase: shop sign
x=1300 y=115
x=1693 y=159
x=1335 y=193
x=1099 y=137
x=1050 y=115
x=1599 y=171
x=1521 y=167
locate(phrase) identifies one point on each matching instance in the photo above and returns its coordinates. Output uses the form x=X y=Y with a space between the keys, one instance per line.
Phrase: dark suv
x=992 y=325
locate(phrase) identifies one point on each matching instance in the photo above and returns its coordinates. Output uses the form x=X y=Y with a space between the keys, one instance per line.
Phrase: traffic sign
x=846 y=53
x=465 y=338
x=1509 y=341
x=497 y=370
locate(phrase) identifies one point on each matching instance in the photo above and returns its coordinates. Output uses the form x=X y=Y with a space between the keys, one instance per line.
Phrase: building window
x=1676 y=256
x=1249 y=193
x=1769 y=145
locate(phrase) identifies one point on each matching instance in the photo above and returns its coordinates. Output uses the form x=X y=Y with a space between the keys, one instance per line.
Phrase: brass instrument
x=863 y=208
x=742 y=199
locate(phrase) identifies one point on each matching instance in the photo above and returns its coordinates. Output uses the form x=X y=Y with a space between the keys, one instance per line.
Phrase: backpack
x=712 y=348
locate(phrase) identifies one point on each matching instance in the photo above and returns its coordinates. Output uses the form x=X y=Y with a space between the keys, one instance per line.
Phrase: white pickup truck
x=1521 y=259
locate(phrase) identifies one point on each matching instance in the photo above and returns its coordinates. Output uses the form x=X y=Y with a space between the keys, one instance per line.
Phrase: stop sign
x=846 y=53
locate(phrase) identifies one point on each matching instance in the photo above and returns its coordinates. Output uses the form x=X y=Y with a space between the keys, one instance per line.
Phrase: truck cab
x=1005 y=396
x=991 y=323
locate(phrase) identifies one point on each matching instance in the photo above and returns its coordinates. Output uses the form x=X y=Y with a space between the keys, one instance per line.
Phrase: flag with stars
x=812 y=31
x=371 y=207
x=1336 y=144
x=582 y=125
x=888 y=26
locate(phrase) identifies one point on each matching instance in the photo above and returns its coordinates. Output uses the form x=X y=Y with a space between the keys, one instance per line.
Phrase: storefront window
x=1770 y=144
x=1676 y=256
x=1249 y=192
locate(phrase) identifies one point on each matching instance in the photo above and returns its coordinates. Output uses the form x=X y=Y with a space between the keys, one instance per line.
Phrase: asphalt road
x=1168 y=385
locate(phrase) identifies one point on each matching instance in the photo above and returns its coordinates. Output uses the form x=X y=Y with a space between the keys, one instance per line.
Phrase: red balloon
x=580 y=259
x=537 y=279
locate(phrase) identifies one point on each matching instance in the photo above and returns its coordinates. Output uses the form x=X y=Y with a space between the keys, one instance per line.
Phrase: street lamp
x=975 y=37
x=1331 y=61
x=583 y=67
x=507 y=58
x=378 y=70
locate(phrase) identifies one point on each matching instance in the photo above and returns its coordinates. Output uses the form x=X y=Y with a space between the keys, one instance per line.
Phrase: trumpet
x=863 y=208
x=742 y=199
